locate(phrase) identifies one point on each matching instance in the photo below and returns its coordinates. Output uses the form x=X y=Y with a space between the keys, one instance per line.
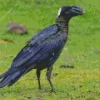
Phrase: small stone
x=17 y=28
x=66 y=66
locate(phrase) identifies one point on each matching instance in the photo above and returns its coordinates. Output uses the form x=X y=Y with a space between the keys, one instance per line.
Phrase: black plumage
x=42 y=50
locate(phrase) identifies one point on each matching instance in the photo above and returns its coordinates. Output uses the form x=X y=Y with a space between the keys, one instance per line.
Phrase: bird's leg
x=48 y=74
x=38 y=77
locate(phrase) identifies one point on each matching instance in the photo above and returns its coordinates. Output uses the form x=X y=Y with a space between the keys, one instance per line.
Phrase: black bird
x=42 y=50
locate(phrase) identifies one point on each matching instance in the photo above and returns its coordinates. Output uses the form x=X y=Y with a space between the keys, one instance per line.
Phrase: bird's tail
x=10 y=79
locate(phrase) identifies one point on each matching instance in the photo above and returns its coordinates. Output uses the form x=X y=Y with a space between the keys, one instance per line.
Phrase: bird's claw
x=39 y=88
x=52 y=91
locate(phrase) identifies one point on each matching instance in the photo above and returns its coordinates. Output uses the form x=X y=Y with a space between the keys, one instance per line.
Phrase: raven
x=42 y=50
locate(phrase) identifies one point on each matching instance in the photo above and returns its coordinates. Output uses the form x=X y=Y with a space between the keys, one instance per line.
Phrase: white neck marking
x=59 y=12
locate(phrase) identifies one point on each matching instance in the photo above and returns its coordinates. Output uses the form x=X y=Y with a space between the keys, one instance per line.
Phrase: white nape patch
x=59 y=12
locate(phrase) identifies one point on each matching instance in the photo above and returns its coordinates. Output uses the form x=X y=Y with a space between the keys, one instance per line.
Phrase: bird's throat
x=62 y=23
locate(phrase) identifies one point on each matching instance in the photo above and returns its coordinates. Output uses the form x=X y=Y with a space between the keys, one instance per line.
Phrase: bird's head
x=70 y=11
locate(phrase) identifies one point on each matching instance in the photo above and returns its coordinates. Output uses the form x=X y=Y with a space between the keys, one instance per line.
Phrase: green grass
x=81 y=51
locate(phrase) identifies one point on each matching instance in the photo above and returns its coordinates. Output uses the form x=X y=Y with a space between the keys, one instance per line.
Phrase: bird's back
x=41 y=50
x=42 y=45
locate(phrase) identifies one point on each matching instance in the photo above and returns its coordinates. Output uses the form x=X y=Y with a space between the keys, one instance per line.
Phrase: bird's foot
x=40 y=88
x=57 y=91
x=53 y=90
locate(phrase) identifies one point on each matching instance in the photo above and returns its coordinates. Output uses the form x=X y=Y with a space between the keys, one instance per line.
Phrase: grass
x=81 y=51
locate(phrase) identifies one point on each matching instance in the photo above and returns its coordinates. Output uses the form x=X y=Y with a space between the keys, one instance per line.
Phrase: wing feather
x=37 y=46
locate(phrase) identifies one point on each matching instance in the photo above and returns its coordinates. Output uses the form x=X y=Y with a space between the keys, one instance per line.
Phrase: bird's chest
x=64 y=37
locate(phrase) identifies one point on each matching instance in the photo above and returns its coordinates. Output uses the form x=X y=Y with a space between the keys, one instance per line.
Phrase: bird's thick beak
x=77 y=10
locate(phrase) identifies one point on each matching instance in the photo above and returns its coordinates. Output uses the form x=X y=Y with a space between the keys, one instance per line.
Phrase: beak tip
x=83 y=12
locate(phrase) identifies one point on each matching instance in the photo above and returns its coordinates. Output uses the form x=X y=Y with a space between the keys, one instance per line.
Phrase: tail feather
x=14 y=80
x=5 y=74
x=9 y=78
x=2 y=75
x=4 y=81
